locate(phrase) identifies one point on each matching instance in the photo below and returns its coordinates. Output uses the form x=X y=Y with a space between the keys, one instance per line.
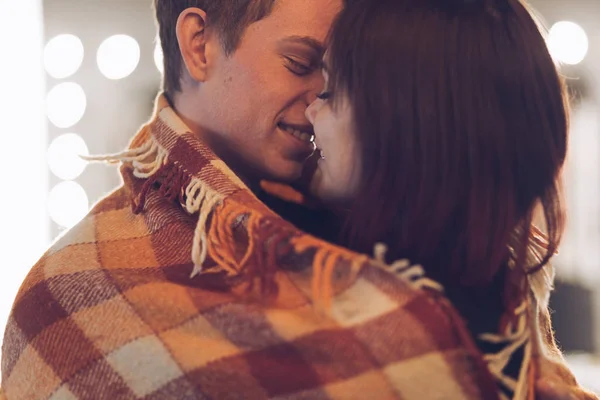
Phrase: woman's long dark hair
x=462 y=119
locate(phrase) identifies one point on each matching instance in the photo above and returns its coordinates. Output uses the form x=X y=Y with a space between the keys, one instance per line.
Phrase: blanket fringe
x=514 y=337
x=223 y=248
x=414 y=275
x=148 y=161
x=326 y=258
x=517 y=328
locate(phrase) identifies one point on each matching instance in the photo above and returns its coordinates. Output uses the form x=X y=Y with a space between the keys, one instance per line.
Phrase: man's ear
x=192 y=38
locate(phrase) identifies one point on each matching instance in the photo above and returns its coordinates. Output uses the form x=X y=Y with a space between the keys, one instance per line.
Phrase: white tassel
x=521 y=391
x=515 y=337
x=204 y=202
x=140 y=153
x=146 y=160
x=379 y=252
x=413 y=274
x=196 y=194
x=144 y=170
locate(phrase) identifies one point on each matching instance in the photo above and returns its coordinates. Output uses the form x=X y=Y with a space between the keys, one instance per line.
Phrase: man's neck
x=217 y=144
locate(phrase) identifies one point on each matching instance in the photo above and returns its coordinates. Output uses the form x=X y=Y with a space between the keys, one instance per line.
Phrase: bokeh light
x=568 y=42
x=118 y=56
x=67 y=204
x=64 y=156
x=63 y=56
x=66 y=104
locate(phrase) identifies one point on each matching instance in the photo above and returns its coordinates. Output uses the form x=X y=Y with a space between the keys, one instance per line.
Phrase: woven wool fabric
x=111 y=311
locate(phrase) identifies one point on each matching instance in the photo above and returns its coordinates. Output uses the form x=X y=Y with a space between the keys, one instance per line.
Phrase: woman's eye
x=324 y=95
x=298 y=68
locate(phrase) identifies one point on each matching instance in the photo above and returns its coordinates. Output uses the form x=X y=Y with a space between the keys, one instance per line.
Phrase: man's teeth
x=304 y=136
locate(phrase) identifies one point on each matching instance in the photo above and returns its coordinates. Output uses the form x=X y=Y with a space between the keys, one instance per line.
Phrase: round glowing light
x=67 y=204
x=568 y=42
x=118 y=56
x=64 y=156
x=158 y=58
x=63 y=56
x=65 y=104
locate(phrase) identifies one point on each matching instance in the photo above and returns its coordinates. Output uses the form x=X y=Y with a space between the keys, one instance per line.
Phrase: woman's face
x=337 y=176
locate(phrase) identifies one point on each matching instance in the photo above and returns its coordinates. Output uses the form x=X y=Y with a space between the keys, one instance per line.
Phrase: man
x=246 y=96
x=110 y=312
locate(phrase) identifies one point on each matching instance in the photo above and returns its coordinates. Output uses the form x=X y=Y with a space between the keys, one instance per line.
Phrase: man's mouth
x=303 y=132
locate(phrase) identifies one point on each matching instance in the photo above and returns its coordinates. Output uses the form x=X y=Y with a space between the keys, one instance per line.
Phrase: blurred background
x=80 y=77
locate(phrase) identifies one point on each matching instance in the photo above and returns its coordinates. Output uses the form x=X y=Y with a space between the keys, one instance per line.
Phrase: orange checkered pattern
x=110 y=311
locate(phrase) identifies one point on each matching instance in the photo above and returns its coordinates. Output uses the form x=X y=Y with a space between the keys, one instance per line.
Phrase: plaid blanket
x=181 y=284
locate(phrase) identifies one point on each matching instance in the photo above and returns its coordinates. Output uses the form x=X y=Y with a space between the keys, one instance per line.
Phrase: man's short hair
x=228 y=18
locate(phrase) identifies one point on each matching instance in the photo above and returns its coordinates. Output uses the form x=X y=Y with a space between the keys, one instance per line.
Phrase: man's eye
x=298 y=68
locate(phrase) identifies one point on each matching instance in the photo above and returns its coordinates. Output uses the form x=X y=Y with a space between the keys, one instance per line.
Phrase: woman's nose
x=311 y=112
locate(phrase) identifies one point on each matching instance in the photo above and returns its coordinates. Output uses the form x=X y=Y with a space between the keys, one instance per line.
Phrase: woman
x=442 y=127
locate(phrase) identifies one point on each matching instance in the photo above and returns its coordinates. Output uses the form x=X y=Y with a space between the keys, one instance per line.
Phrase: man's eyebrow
x=307 y=41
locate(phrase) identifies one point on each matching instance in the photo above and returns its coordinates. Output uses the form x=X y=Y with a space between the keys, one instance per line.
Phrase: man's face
x=255 y=99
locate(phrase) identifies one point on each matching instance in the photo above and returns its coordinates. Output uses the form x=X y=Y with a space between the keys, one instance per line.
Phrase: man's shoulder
x=76 y=251
x=99 y=288
x=107 y=218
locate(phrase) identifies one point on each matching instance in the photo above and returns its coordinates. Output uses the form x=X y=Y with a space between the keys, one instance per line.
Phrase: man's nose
x=317 y=83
